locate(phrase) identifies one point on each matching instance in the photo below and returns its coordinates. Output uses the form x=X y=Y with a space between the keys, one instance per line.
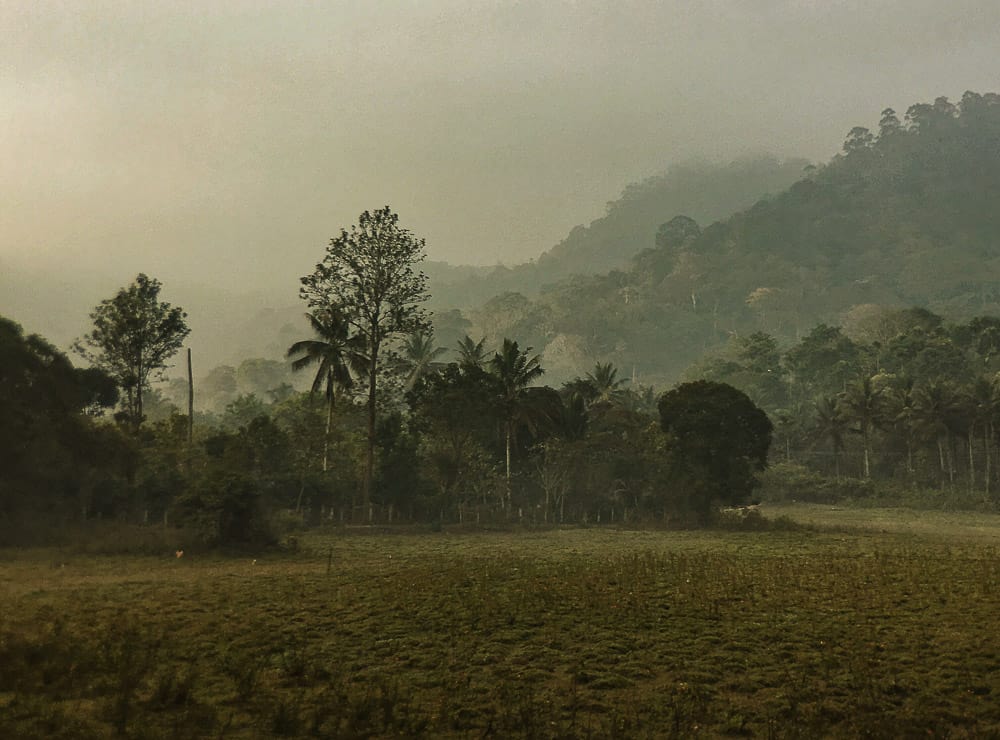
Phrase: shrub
x=788 y=482
x=225 y=509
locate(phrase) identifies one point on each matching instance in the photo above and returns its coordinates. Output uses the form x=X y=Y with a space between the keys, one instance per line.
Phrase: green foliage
x=904 y=217
x=224 y=509
x=717 y=439
x=705 y=192
x=420 y=355
x=789 y=482
x=824 y=361
x=455 y=414
x=515 y=370
x=53 y=453
x=134 y=336
x=369 y=276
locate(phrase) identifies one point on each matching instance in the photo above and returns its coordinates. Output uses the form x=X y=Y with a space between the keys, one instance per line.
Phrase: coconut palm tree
x=983 y=409
x=419 y=354
x=902 y=413
x=788 y=425
x=607 y=387
x=937 y=405
x=471 y=353
x=515 y=370
x=337 y=354
x=831 y=424
x=864 y=404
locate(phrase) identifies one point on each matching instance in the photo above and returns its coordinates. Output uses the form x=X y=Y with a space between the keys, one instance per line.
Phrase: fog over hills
x=218 y=147
x=229 y=324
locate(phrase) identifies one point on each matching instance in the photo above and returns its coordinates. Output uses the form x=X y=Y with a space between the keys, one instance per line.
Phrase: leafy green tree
x=515 y=370
x=823 y=362
x=677 y=232
x=260 y=376
x=49 y=448
x=981 y=337
x=335 y=353
x=134 y=336
x=242 y=410
x=927 y=355
x=717 y=439
x=790 y=426
x=889 y=125
x=224 y=508
x=369 y=275
x=752 y=363
x=218 y=387
x=859 y=139
x=455 y=414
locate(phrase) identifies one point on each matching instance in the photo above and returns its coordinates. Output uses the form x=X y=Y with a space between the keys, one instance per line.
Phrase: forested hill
x=704 y=191
x=908 y=214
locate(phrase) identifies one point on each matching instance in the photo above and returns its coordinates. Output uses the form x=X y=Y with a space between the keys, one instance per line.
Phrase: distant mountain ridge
x=904 y=216
x=707 y=192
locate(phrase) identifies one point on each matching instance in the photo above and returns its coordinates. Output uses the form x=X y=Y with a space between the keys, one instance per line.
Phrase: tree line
x=398 y=435
x=894 y=395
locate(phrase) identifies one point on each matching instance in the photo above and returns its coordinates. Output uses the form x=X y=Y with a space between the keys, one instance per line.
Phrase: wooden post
x=190 y=401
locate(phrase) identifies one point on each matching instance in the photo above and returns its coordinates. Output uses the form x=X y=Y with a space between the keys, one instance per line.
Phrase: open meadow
x=835 y=630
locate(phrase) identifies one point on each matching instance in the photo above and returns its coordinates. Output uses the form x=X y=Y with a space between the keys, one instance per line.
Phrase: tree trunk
x=508 y=435
x=987 y=448
x=329 y=425
x=370 y=460
x=868 y=471
x=941 y=460
x=950 y=449
x=972 y=462
x=190 y=403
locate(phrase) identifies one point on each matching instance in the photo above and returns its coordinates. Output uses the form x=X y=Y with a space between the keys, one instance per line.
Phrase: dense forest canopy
x=904 y=216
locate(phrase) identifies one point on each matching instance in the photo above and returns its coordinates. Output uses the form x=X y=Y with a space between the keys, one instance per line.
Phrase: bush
x=788 y=482
x=225 y=510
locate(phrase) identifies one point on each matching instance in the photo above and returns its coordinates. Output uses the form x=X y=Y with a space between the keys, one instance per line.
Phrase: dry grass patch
x=561 y=634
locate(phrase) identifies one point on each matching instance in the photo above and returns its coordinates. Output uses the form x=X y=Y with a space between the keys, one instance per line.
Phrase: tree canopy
x=134 y=335
x=717 y=440
x=370 y=276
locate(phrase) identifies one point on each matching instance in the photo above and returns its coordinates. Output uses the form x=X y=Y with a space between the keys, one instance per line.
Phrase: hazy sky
x=227 y=141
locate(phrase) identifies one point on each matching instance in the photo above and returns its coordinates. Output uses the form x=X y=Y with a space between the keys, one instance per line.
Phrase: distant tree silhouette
x=134 y=336
x=369 y=275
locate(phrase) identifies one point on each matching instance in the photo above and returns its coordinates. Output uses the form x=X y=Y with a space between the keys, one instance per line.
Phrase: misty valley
x=724 y=462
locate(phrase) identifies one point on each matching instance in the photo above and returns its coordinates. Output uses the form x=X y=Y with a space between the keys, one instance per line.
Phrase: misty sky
x=227 y=141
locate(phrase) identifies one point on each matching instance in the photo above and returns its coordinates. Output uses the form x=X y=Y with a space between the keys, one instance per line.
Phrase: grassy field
x=882 y=625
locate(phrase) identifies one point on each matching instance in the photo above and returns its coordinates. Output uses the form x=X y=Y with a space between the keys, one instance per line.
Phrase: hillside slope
x=907 y=215
x=704 y=191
